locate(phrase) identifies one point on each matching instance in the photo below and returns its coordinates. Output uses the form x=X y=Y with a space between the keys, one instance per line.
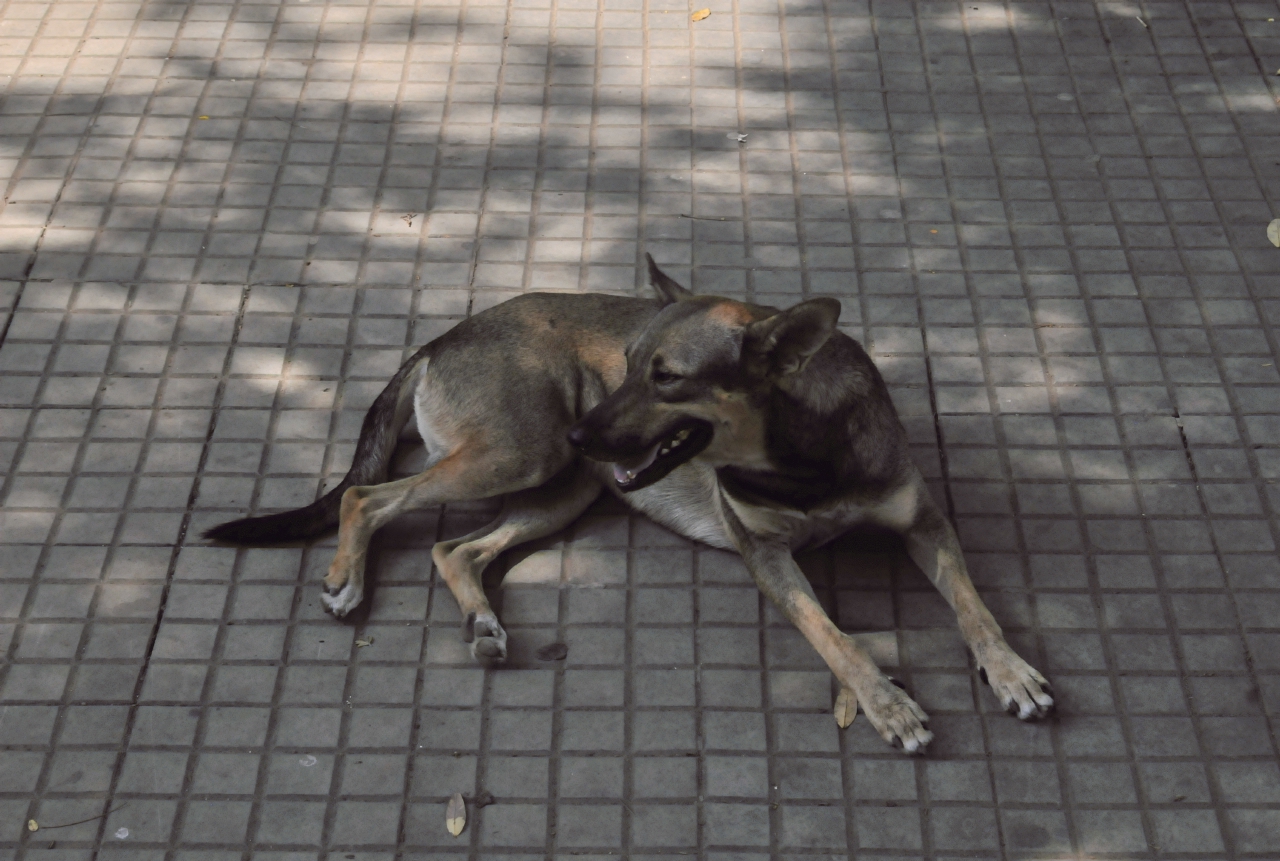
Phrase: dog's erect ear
x=783 y=343
x=668 y=290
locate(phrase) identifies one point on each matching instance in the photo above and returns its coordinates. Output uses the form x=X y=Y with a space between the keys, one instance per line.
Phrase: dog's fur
x=741 y=426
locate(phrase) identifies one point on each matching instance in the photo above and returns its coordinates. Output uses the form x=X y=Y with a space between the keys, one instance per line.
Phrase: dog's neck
x=829 y=429
x=776 y=489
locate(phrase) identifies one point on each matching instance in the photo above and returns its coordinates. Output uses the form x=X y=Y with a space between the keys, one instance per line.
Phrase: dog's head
x=698 y=378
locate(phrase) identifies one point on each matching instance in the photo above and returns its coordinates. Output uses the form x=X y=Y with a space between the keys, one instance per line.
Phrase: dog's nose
x=578 y=436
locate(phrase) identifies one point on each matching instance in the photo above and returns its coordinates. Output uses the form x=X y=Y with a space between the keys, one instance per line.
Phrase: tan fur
x=735 y=315
x=605 y=357
x=739 y=438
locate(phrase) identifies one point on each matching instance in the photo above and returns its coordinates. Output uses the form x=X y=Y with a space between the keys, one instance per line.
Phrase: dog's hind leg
x=473 y=470
x=525 y=516
x=932 y=544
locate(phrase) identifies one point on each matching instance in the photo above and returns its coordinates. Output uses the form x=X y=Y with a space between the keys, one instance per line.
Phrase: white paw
x=897 y=717
x=487 y=638
x=1022 y=691
x=343 y=601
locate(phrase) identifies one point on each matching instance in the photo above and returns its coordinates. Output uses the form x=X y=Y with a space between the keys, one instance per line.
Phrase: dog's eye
x=664 y=377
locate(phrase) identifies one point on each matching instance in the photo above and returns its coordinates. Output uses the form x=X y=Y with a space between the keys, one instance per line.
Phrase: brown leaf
x=553 y=652
x=455 y=815
x=846 y=708
x=700 y=14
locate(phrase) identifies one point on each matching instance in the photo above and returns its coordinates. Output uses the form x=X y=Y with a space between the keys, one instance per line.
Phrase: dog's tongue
x=626 y=475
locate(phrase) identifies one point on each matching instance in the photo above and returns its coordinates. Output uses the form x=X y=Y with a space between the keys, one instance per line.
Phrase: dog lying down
x=740 y=426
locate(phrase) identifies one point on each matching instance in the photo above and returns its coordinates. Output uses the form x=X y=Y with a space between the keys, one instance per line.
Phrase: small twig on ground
x=83 y=821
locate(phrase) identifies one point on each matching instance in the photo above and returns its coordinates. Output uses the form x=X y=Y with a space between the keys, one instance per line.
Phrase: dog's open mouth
x=665 y=455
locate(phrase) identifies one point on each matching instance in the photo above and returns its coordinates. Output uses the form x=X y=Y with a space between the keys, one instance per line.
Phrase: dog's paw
x=1022 y=691
x=487 y=638
x=897 y=717
x=340 y=602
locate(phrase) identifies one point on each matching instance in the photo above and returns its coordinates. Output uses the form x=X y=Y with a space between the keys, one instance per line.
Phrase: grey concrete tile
x=1076 y=243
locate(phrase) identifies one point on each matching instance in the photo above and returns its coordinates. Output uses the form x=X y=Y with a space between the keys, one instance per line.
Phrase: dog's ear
x=668 y=290
x=782 y=344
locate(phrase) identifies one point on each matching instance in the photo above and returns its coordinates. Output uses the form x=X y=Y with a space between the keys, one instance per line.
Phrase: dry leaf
x=700 y=14
x=360 y=644
x=553 y=652
x=1273 y=232
x=846 y=708
x=32 y=825
x=455 y=815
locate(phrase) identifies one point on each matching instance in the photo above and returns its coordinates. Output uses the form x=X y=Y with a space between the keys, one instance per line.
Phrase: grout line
x=433 y=585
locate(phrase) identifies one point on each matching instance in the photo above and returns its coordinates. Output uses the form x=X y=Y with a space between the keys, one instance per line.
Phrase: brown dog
x=741 y=426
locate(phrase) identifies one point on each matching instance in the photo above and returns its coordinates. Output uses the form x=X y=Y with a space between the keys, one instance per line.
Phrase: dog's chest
x=684 y=502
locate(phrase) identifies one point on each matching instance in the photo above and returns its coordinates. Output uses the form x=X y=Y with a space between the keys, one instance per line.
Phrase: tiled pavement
x=225 y=223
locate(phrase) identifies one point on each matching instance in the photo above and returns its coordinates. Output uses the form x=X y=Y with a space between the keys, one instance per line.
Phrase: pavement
x=224 y=224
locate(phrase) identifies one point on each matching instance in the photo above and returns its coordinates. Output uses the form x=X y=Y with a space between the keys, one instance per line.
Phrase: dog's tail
x=378 y=434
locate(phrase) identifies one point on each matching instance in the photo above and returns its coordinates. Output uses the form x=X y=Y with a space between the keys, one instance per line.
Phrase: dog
x=741 y=426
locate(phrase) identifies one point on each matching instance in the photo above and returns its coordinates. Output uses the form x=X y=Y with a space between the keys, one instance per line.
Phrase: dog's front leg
x=894 y=715
x=932 y=544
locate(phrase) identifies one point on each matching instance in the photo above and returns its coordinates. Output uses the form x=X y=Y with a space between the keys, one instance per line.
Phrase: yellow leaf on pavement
x=455 y=815
x=1273 y=232
x=700 y=14
x=846 y=708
